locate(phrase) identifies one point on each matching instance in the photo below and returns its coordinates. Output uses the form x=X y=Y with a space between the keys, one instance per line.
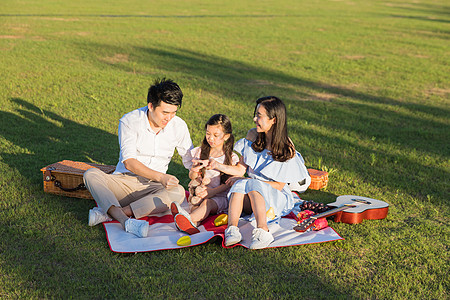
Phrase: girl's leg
x=205 y=209
x=259 y=209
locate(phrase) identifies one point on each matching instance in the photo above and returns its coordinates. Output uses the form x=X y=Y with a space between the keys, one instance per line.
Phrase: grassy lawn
x=367 y=89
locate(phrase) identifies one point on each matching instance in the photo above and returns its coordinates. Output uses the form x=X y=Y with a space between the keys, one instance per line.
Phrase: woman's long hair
x=282 y=147
x=225 y=123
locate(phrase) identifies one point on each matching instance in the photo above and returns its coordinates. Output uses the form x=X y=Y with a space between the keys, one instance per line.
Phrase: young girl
x=271 y=161
x=217 y=145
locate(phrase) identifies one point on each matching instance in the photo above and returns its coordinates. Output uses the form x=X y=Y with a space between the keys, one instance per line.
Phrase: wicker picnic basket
x=319 y=179
x=66 y=178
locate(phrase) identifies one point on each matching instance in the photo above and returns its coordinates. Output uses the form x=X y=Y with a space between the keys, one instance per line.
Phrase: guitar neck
x=332 y=211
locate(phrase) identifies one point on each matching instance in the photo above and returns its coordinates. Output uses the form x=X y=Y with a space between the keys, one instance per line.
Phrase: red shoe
x=185 y=224
x=175 y=208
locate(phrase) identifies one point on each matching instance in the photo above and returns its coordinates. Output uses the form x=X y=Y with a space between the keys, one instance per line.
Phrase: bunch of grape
x=314 y=207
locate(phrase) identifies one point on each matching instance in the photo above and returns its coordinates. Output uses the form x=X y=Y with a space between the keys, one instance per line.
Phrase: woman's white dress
x=262 y=167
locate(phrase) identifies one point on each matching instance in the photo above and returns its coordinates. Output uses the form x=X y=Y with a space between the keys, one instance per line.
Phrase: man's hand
x=169 y=181
x=136 y=167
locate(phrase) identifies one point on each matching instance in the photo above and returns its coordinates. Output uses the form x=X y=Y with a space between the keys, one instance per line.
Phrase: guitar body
x=374 y=210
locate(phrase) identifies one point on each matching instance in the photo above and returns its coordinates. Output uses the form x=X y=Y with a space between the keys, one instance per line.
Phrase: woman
x=271 y=162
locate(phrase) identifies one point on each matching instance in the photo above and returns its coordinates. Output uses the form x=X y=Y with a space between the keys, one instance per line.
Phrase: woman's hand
x=232 y=180
x=276 y=185
x=213 y=165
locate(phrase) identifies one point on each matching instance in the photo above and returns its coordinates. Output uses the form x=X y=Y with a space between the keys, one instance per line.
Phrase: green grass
x=367 y=89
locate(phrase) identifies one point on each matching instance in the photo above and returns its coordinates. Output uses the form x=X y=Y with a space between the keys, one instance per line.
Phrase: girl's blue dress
x=262 y=167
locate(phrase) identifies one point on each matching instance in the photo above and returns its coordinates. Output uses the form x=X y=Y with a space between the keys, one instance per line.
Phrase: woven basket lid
x=77 y=167
x=314 y=172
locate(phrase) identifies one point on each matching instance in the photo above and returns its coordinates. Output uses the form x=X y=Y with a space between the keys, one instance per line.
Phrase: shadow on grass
x=41 y=251
x=139 y=16
x=51 y=253
x=40 y=137
x=321 y=196
x=47 y=247
x=427 y=11
x=421 y=18
x=226 y=76
x=379 y=139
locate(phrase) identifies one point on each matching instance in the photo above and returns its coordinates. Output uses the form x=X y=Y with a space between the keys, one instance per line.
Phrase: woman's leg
x=238 y=203
x=259 y=209
x=235 y=208
x=205 y=209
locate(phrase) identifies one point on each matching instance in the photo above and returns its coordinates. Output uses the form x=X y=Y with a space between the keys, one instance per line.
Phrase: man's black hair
x=165 y=90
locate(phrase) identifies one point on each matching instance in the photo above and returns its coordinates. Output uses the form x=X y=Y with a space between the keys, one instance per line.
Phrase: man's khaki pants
x=144 y=197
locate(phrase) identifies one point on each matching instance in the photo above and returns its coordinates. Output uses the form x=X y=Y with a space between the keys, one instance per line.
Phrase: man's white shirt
x=138 y=140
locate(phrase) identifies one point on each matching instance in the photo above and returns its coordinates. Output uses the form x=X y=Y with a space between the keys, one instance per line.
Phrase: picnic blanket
x=163 y=234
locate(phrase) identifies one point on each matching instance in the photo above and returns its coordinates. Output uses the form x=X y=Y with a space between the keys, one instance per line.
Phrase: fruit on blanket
x=270 y=213
x=304 y=214
x=318 y=223
x=184 y=241
x=314 y=206
x=221 y=220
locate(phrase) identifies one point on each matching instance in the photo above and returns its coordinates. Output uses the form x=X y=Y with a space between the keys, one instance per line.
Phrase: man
x=140 y=186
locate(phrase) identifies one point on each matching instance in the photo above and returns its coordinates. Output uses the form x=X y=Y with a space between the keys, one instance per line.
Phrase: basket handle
x=81 y=186
x=49 y=177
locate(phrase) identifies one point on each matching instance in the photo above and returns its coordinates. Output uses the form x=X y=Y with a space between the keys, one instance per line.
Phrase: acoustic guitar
x=349 y=209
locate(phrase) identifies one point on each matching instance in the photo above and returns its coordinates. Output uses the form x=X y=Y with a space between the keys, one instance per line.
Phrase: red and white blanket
x=163 y=235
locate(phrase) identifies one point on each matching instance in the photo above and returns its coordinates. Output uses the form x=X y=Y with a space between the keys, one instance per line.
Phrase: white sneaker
x=232 y=236
x=96 y=217
x=137 y=227
x=260 y=239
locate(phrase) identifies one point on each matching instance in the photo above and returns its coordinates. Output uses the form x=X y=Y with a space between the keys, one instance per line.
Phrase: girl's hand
x=232 y=180
x=195 y=169
x=199 y=163
x=202 y=191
